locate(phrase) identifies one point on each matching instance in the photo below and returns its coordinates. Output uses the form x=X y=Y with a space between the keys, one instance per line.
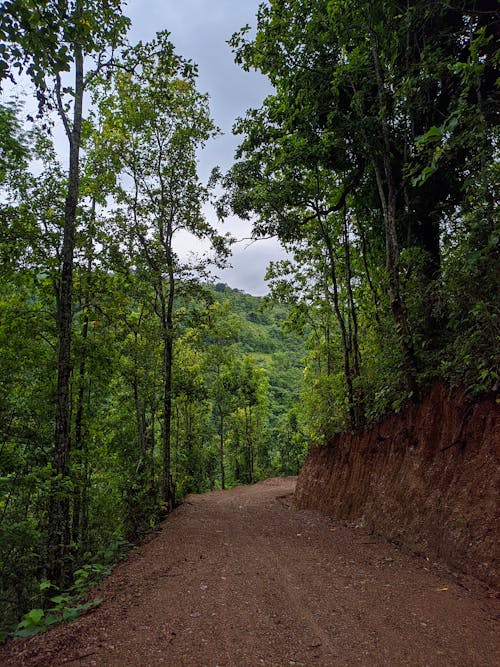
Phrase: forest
x=130 y=377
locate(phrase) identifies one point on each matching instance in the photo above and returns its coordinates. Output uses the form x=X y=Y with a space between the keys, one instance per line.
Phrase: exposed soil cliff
x=426 y=478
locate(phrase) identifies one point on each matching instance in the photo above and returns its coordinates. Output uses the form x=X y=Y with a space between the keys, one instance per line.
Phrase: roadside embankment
x=426 y=478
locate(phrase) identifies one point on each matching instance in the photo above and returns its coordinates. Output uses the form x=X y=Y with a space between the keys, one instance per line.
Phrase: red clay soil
x=427 y=479
x=239 y=577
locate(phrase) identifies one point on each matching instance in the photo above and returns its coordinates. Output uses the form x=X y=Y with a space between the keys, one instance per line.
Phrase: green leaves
x=40 y=40
x=435 y=135
x=398 y=111
x=13 y=150
x=65 y=606
x=45 y=585
x=31 y=624
x=37 y=621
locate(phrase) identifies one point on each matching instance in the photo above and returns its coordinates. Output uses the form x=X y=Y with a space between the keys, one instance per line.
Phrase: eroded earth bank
x=427 y=479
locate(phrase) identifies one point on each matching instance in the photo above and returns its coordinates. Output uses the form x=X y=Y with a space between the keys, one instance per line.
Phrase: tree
x=363 y=122
x=249 y=419
x=154 y=121
x=50 y=41
x=220 y=337
x=191 y=411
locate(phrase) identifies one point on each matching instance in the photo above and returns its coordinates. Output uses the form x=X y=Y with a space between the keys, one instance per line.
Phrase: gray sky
x=199 y=31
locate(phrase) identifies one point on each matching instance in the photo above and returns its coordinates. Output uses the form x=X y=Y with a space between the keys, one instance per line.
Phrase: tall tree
x=48 y=41
x=221 y=335
x=356 y=85
x=155 y=120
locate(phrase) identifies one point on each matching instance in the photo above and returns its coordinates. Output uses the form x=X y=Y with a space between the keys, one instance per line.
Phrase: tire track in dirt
x=241 y=578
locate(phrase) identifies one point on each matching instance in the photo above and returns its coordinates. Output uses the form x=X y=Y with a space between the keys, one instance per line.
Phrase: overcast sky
x=199 y=30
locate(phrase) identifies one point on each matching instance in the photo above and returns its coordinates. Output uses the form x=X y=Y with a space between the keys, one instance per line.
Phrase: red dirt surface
x=426 y=478
x=241 y=578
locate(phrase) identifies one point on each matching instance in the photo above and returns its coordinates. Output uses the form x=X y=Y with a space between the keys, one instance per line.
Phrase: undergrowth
x=65 y=606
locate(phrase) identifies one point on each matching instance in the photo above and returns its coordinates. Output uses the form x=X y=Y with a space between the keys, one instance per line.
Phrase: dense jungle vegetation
x=127 y=378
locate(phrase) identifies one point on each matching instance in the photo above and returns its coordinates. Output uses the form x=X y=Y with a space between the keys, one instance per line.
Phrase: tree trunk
x=167 y=306
x=328 y=356
x=373 y=291
x=79 y=448
x=80 y=451
x=388 y=197
x=354 y=317
x=221 y=449
x=341 y=321
x=248 y=435
x=140 y=408
x=59 y=511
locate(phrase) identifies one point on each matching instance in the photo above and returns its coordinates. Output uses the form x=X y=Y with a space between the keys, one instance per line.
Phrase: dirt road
x=241 y=578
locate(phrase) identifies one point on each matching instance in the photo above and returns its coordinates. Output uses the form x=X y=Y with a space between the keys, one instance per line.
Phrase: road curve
x=237 y=578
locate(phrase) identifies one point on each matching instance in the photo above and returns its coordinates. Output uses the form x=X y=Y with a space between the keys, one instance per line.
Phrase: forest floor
x=241 y=578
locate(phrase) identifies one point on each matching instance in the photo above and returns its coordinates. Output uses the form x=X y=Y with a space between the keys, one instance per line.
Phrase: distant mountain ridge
x=262 y=335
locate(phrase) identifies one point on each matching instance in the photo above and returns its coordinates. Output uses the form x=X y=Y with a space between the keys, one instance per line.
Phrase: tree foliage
x=365 y=161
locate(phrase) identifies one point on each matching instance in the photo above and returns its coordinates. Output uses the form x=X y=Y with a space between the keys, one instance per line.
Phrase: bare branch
x=60 y=109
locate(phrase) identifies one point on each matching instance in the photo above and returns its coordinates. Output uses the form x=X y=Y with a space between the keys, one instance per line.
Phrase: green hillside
x=275 y=350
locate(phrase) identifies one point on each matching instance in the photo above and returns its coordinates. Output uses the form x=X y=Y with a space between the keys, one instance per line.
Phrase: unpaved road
x=241 y=578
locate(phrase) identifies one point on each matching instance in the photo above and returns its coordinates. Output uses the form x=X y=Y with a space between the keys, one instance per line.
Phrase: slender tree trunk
x=59 y=511
x=221 y=449
x=140 y=409
x=167 y=307
x=359 y=408
x=248 y=434
x=188 y=439
x=354 y=316
x=388 y=197
x=342 y=324
x=79 y=448
x=328 y=356
x=364 y=254
x=151 y=441
x=84 y=511
x=177 y=437
x=397 y=305
x=140 y=419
